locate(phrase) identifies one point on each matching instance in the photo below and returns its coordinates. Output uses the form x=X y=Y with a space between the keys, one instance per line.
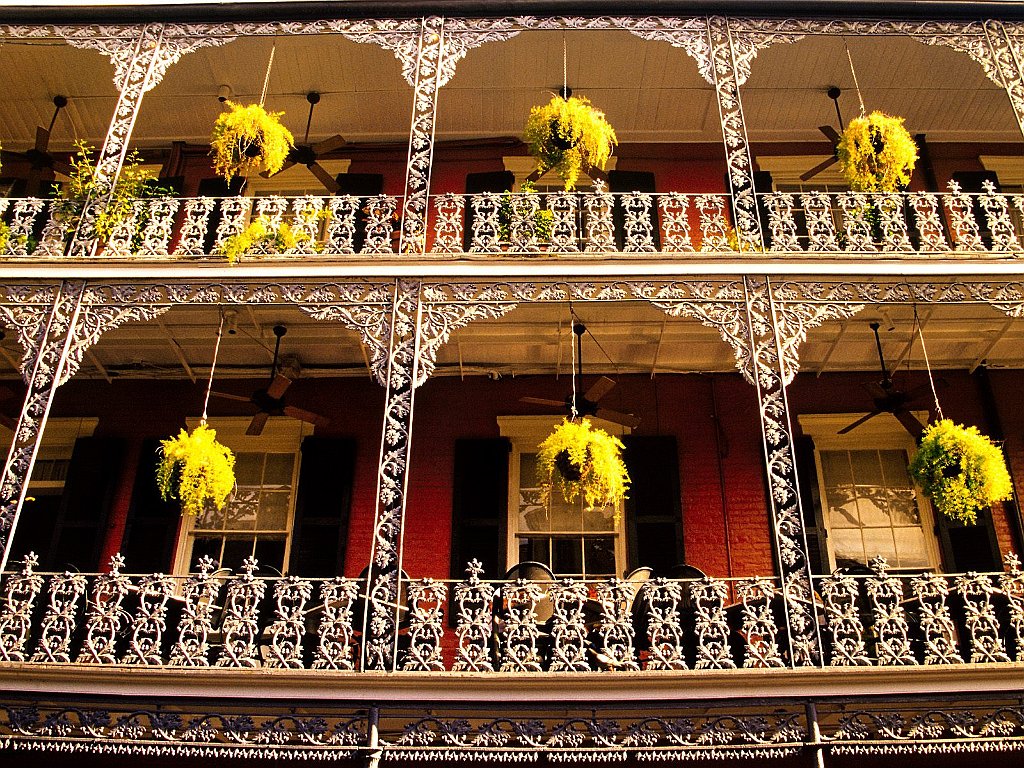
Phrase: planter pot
x=570 y=471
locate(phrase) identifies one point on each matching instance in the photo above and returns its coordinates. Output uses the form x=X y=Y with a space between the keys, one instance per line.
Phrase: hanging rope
x=266 y=78
x=573 y=413
x=213 y=367
x=565 y=70
x=856 y=85
x=927 y=365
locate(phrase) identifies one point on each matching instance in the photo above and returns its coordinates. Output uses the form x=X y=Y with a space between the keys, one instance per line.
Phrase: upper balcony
x=372 y=151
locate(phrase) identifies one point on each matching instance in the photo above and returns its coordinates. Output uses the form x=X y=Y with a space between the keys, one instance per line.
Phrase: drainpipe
x=373 y=737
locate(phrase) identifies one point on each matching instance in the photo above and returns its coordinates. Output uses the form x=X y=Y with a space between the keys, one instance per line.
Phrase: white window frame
x=295 y=181
x=56 y=444
x=525 y=433
x=883 y=432
x=281 y=434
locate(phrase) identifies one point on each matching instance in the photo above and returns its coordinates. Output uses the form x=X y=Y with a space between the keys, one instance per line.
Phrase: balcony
x=589 y=225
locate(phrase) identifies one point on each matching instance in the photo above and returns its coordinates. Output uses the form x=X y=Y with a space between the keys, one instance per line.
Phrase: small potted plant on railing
x=960 y=470
x=263 y=237
x=581 y=461
x=247 y=138
x=195 y=470
x=876 y=153
x=570 y=136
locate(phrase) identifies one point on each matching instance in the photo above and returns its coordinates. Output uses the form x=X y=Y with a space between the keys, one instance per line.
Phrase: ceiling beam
x=832 y=347
x=991 y=345
x=98 y=365
x=178 y=351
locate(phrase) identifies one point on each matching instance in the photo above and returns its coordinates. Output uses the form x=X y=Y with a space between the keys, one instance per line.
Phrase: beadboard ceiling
x=650 y=91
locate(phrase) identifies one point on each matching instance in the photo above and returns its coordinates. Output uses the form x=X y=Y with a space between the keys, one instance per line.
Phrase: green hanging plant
x=960 y=470
x=195 y=470
x=248 y=138
x=511 y=205
x=570 y=136
x=581 y=461
x=876 y=153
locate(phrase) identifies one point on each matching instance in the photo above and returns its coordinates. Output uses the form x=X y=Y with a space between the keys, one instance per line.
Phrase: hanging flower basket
x=876 y=153
x=248 y=138
x=960 y=470
x=195 y=470
x=582 y=462
x=570 y=136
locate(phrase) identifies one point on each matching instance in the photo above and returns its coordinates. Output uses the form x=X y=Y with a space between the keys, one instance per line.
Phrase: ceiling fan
x=39 y=157
x=270 y=401
x=833 y=92
x=889 y=399
x=309 y=154
x=587 y=403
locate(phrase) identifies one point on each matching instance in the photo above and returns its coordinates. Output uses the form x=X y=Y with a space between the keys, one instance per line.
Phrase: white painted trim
x=786 y=169
x=1009 y=168
x=294 y=180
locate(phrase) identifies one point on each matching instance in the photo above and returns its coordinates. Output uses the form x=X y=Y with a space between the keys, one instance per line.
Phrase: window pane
x=203 y=545
x=533 y=517
x=568 y=557
x=836 y=467
x=235 y=551
x=242 y=510
x=879 y=541
x=599 y=519
x=847 y=546
x=535 y=548
x=273 y=514
x=528 y=470
x=564 y=516
x=270 y=554
x=903 y=505
x=870 y=488
x=911 y=548
x=894 y=468
x=599 y=555
x=211 y=519
x=279 y=469
x=248 y=467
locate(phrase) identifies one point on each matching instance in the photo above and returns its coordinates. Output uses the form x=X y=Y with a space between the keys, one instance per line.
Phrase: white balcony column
x=739 y=162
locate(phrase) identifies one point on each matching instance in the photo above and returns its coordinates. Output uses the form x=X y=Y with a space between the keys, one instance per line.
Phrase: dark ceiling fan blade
x=307 y=416
x=42 y=140
x=229 y=396
x=64 y=169
x=278 y=386
x=325 y=178
x=284 y=167
x=818 y=169
x=331 y=143
x=543 y=401
x=877 y=391
x=259 y=421
x=830 y=133
x=599 y=389
x=858 y=422
x=625 y=419
x=909 y=422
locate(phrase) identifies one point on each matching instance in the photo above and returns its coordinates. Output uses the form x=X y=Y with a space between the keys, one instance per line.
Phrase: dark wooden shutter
x=654 y=518
x=632 y=181
x=480 y=505
x=359 y=185
x=488 y=181
x=968 y=547
x=151 y=531
x=88 y=491
x=322 y=505
x=217 y=187
x=810 y=500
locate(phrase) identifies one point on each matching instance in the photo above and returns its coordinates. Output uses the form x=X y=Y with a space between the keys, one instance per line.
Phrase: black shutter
x=480 y=505
x=632 y=181
x=322 y=504
x=654 y=515
x=151 y=531
x=968 y=547
x=359 y=185
x=84 y=506
x=217 y=187
x=488 y=181
x=810 y=500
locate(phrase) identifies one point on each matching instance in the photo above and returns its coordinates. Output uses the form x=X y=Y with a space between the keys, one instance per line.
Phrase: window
x=572 y=541
x=869 y=504
x=258 y=519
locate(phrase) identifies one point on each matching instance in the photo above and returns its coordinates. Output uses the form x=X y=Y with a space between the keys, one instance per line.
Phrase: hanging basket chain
x=266 y=78
x=213 y=367
x=927 y=364
x=856 y=84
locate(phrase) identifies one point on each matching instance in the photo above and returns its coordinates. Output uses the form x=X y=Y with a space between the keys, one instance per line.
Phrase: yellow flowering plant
x=960 y=470
x=247 y=138
x=195 y=470
x=876 y=153
x=263 y=236
x=570 y=136
x=581 y=461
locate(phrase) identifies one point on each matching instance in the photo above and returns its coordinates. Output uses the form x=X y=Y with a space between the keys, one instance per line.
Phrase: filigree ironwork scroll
x=1012 y=585
x=150 y=623
x=663 y=600
x=334 y=645
x=196 y=624
x=568 y=626
x=885 y=593
x=426 y=625
x=474 y=605
x=241 y=618
x=61 y=617
x=20 y=593
x=977 y=590
x=760 y=628
x=840 y=595
x=711 y=624
x=104 y=618
x=290 y=597
x=519 y=631
x=937 y=629
x=615 y=628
